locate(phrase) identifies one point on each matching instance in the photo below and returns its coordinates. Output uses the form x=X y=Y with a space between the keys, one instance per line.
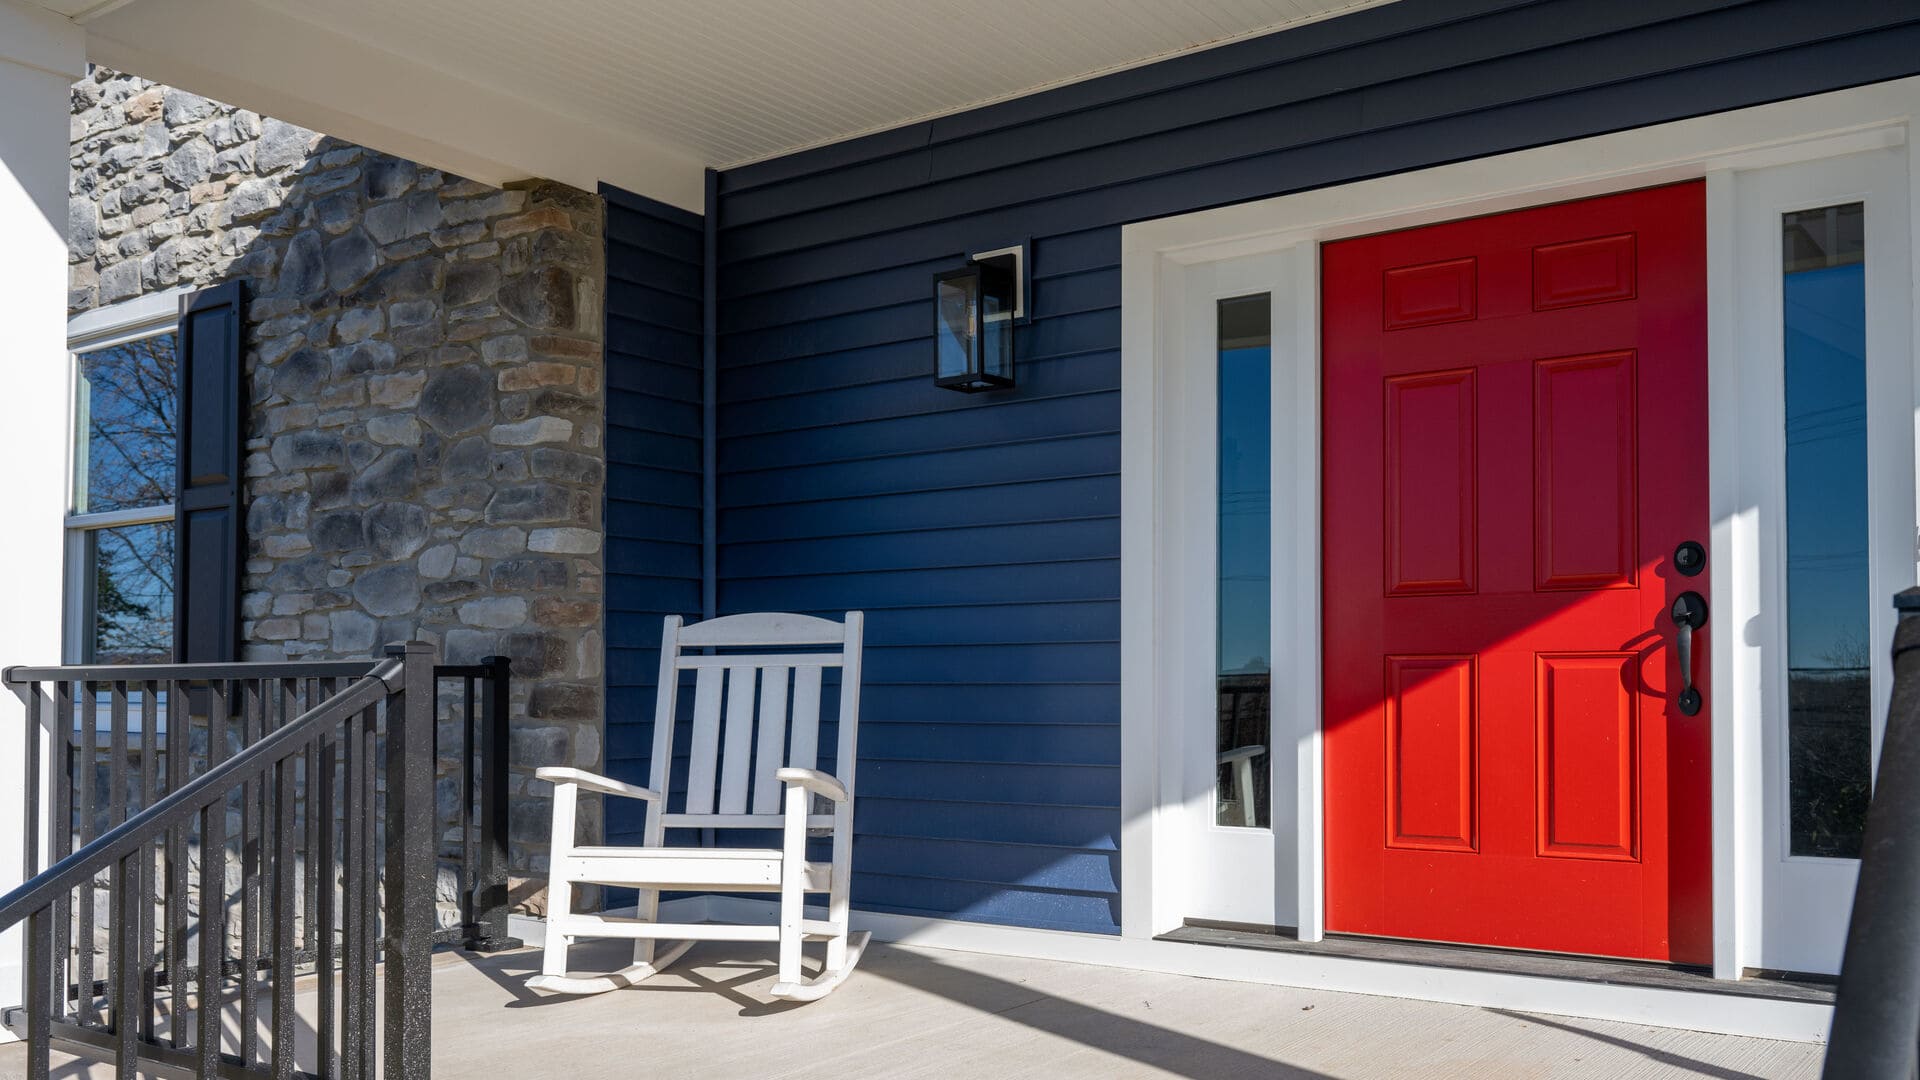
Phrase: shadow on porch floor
x=930 y=1013
x=913 y=1012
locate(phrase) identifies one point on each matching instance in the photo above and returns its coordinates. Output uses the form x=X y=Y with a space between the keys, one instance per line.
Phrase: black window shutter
x=209 y=540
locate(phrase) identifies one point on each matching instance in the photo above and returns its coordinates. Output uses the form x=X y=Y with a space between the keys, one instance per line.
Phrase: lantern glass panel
x=956 y=315
x=996 y=326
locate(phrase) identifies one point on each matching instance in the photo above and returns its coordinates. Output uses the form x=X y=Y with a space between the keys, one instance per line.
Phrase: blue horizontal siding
x=971 y=466
x=982 y=545
x=945 y=897
x=982 y=533
x=1011 y=420
x=653 y=440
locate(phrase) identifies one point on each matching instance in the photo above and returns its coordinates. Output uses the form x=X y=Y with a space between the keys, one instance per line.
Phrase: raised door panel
x=1432 y=759
x=1587 y=783
x=1439 y=292
x=1581 y=272
x=1431 y=492
x=1584 y=519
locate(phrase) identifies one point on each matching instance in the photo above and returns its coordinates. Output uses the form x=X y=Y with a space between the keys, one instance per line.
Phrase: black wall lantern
x=974 y=310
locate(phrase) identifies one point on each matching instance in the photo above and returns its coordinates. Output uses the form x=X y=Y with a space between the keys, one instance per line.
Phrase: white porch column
x=41 y=54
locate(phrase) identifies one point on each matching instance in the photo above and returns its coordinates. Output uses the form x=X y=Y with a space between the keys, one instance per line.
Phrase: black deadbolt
x=1690 y=610
x=1690 y=558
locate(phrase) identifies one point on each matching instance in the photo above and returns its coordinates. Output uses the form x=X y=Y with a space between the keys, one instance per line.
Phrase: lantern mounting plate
x=1017 y=257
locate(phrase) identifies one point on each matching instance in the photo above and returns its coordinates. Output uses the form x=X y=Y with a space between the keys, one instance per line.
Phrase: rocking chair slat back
x=706 y=742
x=804 y=752
x=753 y=713
x=735 y=758
x=773 y=737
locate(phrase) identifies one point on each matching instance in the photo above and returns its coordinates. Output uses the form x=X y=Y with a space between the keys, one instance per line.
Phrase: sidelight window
x=1244 y=615
x=1829 y=728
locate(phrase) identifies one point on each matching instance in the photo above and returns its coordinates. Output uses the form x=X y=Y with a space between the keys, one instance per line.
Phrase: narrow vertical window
x=1244 y=631
x=1829 y=655
x=121 y=522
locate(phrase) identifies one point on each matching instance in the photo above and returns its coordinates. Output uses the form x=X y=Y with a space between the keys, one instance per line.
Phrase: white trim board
x=151 y=313
x=1728 y=1014
x=1156 y=259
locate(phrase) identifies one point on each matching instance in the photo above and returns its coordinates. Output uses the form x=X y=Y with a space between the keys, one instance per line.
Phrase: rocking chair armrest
x=815 y=781
x=595 y=782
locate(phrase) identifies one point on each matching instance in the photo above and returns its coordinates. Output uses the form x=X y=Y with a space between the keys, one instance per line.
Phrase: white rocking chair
x=747 y=764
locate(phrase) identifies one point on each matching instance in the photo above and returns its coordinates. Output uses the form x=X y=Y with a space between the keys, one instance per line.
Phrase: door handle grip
x=1689 y=614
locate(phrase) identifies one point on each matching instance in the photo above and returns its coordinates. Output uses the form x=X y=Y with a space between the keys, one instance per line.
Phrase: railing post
x=1876 y=1016
x=489 y=930
x=411 y=865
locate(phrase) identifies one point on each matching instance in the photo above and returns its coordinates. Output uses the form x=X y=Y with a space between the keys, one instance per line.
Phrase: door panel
x=1431 y=518
x=1431 y=740
x=1514 y=445
x=1588 y=780
x=1585 y=534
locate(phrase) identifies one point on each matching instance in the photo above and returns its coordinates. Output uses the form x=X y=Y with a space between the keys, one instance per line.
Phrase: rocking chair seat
x=688 y=869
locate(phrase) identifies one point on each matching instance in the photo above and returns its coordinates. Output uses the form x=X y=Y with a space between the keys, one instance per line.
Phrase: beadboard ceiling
x=705 y=82
x=738 y=80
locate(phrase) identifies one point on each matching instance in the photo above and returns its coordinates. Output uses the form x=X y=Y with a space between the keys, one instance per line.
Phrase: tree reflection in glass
x=124 y=462
x=127 y=410
x=130 y=572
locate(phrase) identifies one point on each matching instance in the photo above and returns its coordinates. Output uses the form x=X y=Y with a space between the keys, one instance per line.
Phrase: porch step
x=1809 y=988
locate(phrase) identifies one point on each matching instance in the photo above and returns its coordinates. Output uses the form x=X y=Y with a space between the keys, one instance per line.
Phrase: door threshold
x=1650 y=974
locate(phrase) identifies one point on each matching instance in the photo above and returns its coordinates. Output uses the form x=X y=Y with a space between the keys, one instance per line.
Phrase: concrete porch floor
x=921 y=1012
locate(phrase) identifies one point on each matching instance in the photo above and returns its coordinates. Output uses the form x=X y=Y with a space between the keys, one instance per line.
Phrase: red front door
x=1515 y=446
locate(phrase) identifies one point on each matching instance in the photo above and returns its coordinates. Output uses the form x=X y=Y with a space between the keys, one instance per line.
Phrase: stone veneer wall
x=424 y=356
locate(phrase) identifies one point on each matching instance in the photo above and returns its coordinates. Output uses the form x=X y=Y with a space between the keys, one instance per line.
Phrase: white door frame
x=1156 y=256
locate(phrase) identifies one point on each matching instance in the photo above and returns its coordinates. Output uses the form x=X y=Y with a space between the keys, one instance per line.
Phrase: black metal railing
x=1876 y=1015
x=479 y=704
x=270 y=792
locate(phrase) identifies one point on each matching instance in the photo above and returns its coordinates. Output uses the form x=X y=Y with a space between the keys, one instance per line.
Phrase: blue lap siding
x=653 y=467
x=982 y=533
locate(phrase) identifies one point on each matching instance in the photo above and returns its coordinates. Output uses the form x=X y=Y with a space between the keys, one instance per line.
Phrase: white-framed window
x=123 y=423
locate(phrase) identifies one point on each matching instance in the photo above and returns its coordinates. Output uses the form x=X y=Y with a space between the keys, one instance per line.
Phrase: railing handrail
x=1876 y=1015
x=129 y=673
x=145 y=827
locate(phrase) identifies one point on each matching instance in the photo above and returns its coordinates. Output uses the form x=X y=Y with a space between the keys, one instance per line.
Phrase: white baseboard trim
x=1729 y=1014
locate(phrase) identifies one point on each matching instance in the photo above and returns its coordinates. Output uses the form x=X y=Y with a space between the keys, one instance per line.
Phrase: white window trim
x=1154 y=257
x=116 y=324
x=125 y=321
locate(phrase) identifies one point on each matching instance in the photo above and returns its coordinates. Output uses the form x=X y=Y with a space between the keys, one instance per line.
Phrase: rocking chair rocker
x=747 y=762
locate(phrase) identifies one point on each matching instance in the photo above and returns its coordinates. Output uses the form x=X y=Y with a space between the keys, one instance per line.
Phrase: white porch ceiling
x=642 y=94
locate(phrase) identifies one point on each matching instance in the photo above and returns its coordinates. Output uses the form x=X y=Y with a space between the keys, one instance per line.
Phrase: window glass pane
x=1245 y=599
x=125 y=452
x=1828 y=653
x=128 y=617
x=136 y=723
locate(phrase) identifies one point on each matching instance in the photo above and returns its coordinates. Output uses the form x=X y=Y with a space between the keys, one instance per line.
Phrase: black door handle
x=1689 y=614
